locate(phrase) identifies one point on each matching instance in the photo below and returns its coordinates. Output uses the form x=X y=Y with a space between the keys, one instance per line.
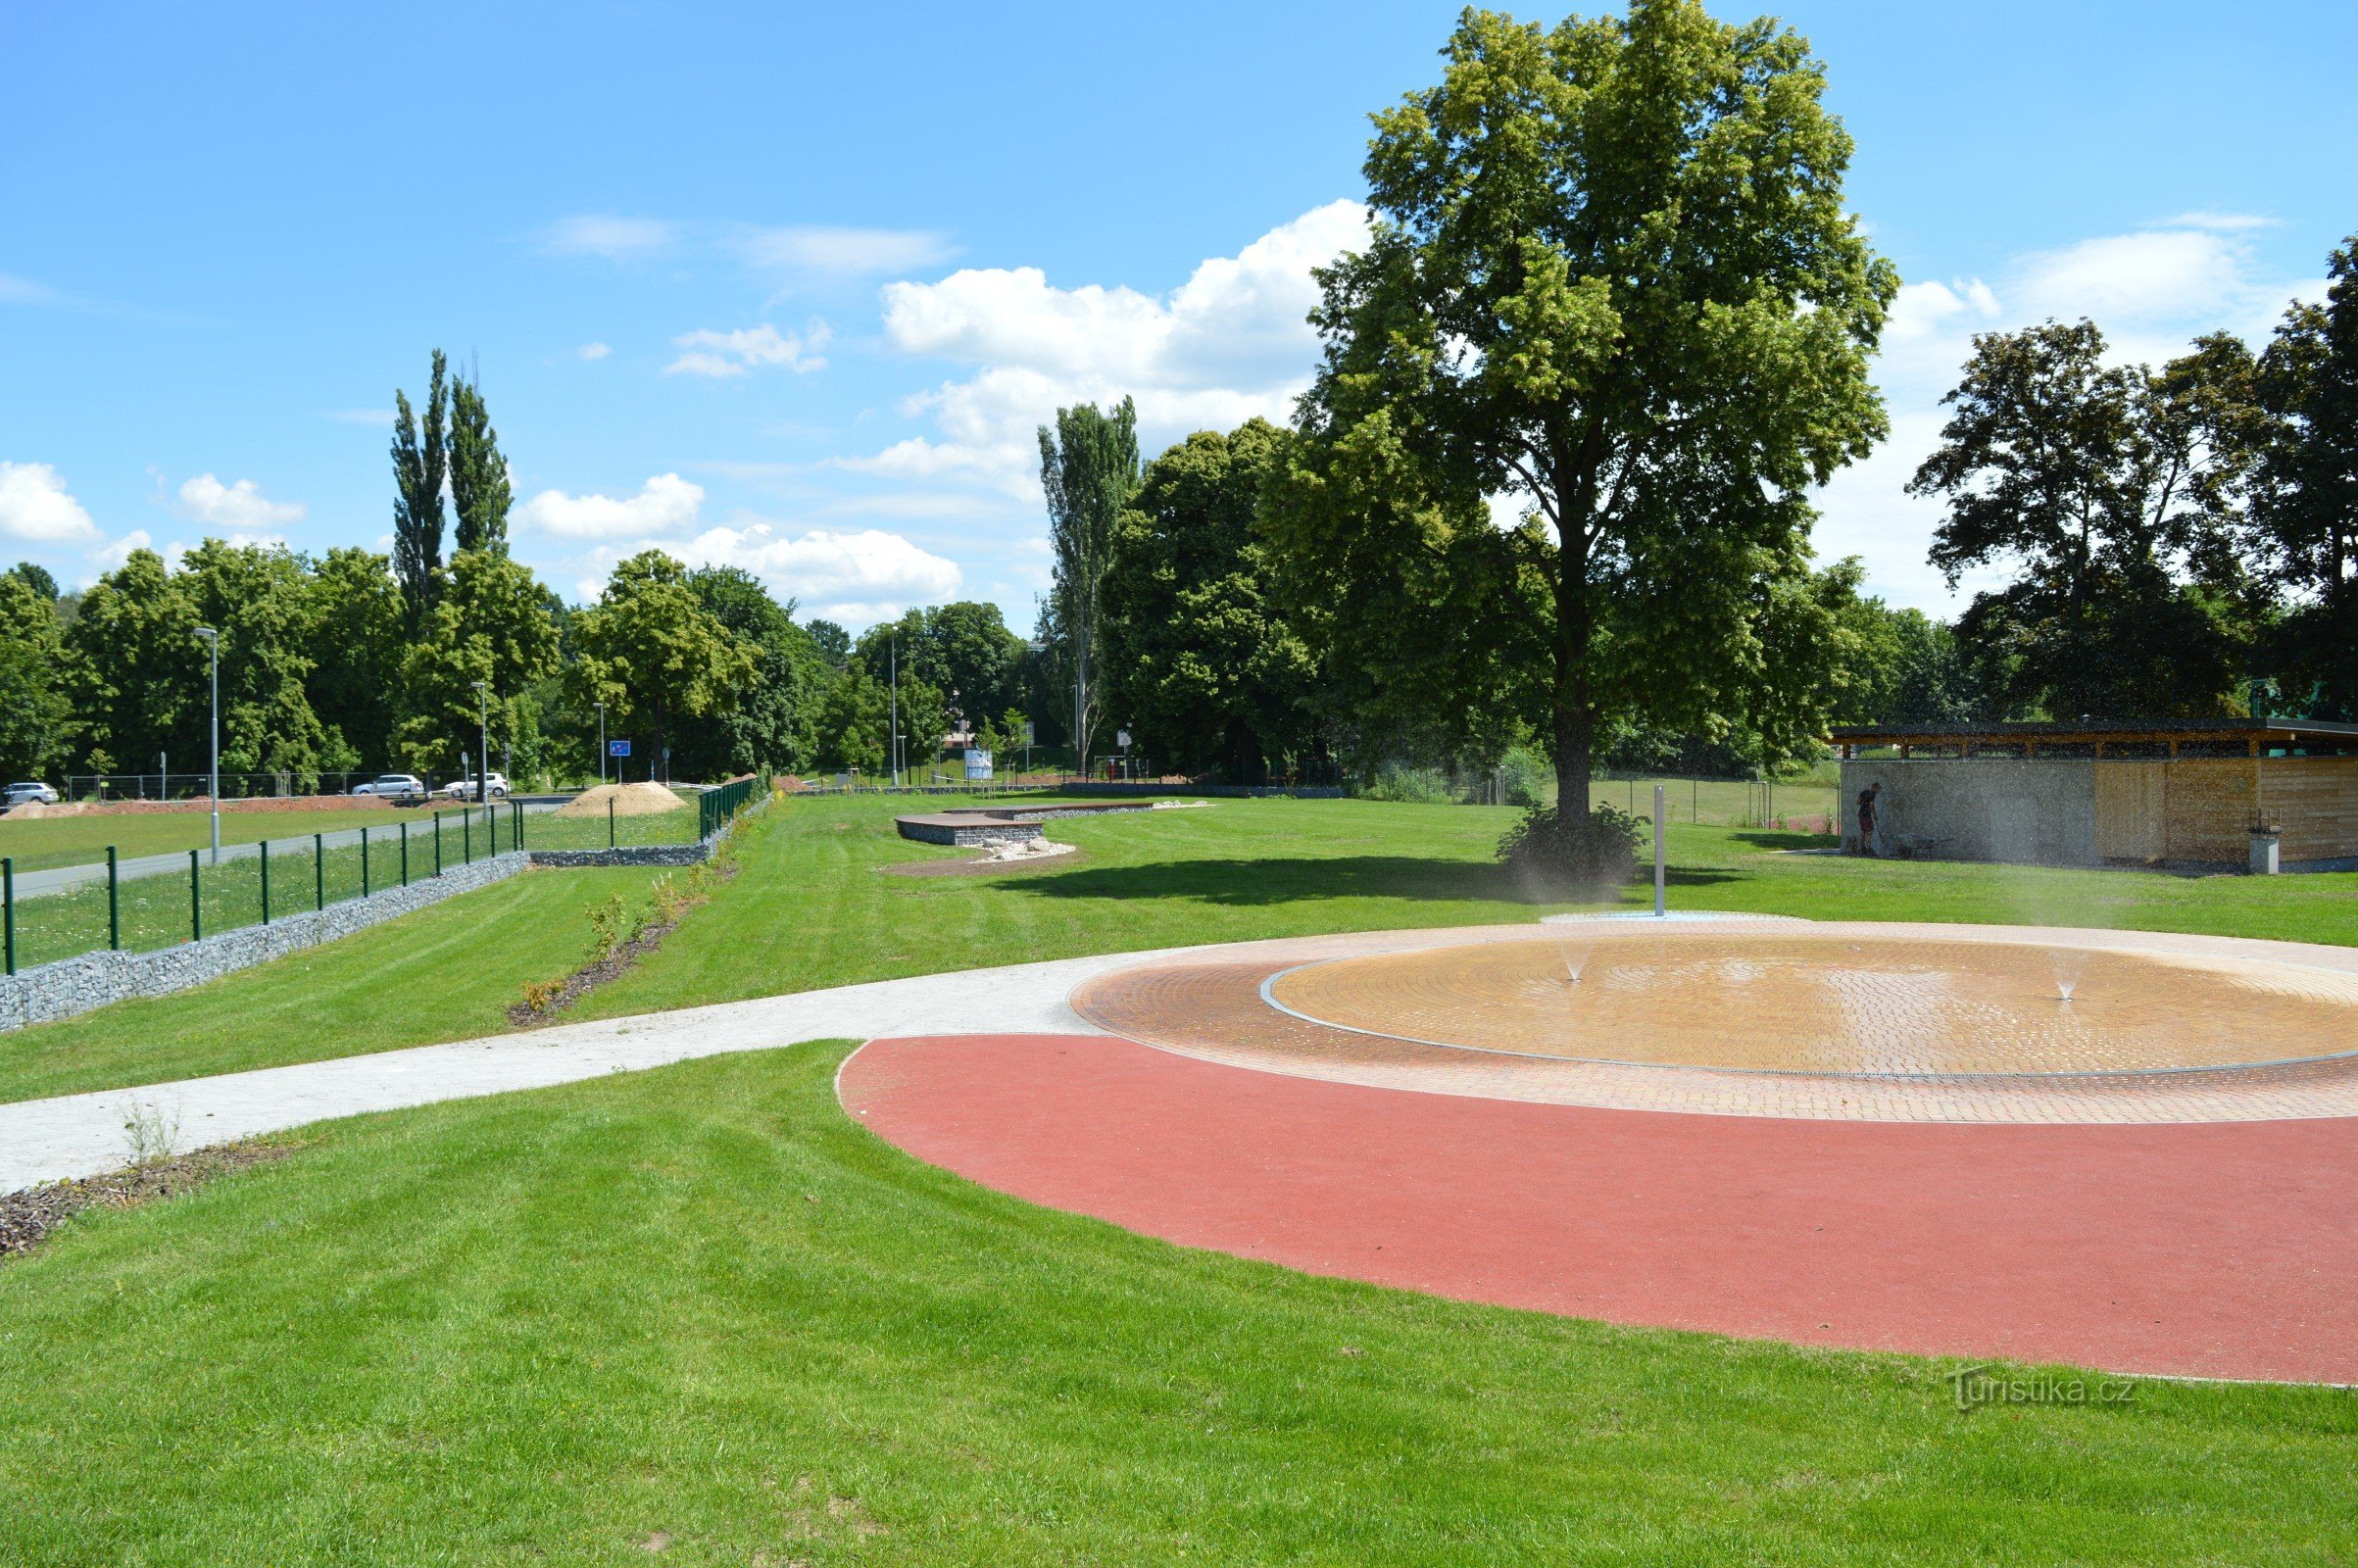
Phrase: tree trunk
x=1575 y=715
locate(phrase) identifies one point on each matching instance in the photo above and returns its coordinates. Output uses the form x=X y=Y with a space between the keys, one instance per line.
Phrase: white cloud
x=34 y=505
x=842 y=252
x=379 y=418
x=739 y=353
x=240 y=505
x=111 y=557
x=593 y=351
x=665 y=503
x=16 y=290
x=857 y=578
x=608 y=236
x=1229 y=343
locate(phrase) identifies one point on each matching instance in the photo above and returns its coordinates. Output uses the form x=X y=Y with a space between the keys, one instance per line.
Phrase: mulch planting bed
x=28 y=1216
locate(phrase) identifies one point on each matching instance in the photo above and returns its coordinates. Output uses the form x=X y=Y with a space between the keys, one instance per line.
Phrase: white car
x=463 y=789
x=29 y=793
x=393 y=786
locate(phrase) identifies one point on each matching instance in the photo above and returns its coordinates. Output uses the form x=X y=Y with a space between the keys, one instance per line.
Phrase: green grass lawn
x=551 y=831
x=78 y=839
x=698 y=1314
x=813 y=908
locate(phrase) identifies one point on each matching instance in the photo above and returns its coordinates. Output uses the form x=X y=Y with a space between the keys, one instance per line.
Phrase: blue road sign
x=617 y=748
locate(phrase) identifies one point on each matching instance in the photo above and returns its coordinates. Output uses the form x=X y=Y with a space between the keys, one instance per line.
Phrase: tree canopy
x=655 y=655
x=1611 y=278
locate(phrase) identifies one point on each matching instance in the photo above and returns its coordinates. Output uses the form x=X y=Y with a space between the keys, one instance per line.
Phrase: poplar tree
x=1089 y=468
x=480 y=493
x=421 y=464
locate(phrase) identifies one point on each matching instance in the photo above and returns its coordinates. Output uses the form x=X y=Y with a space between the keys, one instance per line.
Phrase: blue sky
x=792 y=286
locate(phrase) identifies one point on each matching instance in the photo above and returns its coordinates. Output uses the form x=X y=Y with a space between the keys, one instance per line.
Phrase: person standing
x=1867 y=817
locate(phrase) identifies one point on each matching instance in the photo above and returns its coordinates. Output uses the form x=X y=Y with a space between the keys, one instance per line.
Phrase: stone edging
x=76 y=985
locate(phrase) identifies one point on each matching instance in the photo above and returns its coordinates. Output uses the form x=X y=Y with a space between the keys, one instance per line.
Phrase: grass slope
x=444 y=973
x=696 y=1312
x=811 y=908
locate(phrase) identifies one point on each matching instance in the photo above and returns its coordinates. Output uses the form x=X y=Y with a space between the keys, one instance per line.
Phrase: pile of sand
x=35 y=811
x=644 y=799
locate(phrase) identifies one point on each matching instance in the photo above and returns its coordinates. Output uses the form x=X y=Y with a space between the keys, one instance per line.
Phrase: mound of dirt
x=34 y=811
x=643 y=799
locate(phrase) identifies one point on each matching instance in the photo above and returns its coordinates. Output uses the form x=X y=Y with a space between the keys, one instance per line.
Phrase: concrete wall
x=2017 y=810
x=70 y=986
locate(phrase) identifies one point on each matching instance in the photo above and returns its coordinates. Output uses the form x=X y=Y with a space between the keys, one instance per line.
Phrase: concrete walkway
x=82 y=1135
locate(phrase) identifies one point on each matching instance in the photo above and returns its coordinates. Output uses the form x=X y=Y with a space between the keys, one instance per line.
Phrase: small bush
x=1583 y=858
x=608 y=921
x=540 y=994
x=1420 y=786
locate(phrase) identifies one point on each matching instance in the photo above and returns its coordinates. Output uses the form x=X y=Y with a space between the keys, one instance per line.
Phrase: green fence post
x=610 y=822
x=318 y=871
x=113 y=902
x=405 y=853
x=437 y=843
x=364 y=862
x=466 y=836
x=196 y=900
x=264 y=849
x=515 y=825
x=8 y=905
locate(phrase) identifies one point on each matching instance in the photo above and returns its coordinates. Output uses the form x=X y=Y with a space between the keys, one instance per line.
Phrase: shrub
x=540 y=994
x=1586 y=860
x=1522 y=775
x=606 y=927
x=1421 y=786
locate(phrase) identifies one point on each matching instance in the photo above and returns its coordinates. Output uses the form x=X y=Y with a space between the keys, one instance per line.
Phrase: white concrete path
x=82 y=1135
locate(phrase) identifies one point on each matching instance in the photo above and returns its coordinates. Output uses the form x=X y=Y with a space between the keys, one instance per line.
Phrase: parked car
x=463 y=789
x=29 y=793
x=393 y=786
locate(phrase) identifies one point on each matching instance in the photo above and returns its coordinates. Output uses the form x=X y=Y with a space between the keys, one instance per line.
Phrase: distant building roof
x=2263 y=733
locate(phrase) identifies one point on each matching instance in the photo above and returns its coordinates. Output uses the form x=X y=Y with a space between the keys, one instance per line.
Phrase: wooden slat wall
x=2201 y=808
x=2315 y=799
x=2132 y=823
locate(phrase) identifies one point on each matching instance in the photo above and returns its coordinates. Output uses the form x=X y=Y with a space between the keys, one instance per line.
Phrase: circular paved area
x=2227 y=1251
x=1853 y=1021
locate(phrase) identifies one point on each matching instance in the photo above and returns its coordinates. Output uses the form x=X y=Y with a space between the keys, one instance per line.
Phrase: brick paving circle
x=1855 y=1021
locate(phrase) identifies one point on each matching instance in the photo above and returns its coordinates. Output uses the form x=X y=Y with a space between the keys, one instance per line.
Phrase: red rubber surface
x=2227 y=1250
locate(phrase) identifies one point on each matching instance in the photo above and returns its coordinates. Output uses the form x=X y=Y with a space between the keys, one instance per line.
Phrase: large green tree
x=963 y=650
x=481 y=491
x=654 y=656
x=420 y=466
x=2304 y=499
x=2104 y=489
x=357 y=652
x=1611 y=278
x=35 y=715
x=491 y=624
x=770 y=721
x=1201 y=660
x=259 y=598
x=136 y=669
x=1088 y=467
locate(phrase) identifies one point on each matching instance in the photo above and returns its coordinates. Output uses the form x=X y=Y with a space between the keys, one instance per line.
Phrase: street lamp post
x=212 y=645
x=484 y=767
x=891 y=646
x=601 y=743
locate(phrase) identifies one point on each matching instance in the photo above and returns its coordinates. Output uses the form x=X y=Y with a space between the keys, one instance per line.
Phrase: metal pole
x=318 y=871
x=8 y=905
x=405 y=855
x=892 y=647
x=483 y=768
x=264 y=849
x=213 y=641
x=196 y=900
x=601 y=743
x=363 y=861
x=1662 y=858
x=437 y=843
x=113 y=902
x=466 y=836
x=610 y=822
